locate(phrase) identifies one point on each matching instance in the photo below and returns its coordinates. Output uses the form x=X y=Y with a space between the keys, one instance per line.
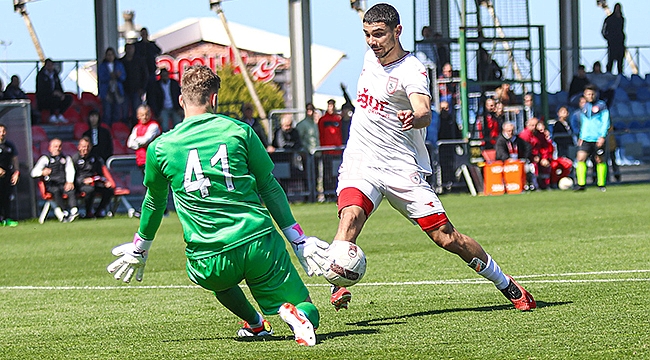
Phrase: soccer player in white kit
x=386 y=157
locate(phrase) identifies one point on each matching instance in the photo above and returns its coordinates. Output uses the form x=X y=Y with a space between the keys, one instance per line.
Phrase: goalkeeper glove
x=133 y=257
x=309 y=250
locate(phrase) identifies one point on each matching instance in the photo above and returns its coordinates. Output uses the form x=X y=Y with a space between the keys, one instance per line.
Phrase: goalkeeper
x=218 y=170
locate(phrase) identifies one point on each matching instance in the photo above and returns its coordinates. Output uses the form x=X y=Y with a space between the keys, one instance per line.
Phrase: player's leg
x=106 y=196
x=57 y=194
x=581 y=166
x=221 y=274
x=415 y=198
x=601 y=168
x=278 y=289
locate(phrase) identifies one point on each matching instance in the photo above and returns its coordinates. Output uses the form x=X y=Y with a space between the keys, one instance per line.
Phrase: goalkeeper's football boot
x=521 y=298
x=9 y=222
x=264 y=330
x=302 y=328
x=340 y=297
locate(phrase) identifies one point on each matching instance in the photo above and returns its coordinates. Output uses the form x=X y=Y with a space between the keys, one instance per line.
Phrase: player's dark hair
x=198 y=82
x=382 y=13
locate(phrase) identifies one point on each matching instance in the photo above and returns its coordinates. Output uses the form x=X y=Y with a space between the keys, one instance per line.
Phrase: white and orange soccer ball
x=347 y=263
x=565 y=183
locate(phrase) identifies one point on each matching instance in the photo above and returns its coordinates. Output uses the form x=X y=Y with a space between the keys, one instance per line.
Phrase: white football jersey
x=376 y=136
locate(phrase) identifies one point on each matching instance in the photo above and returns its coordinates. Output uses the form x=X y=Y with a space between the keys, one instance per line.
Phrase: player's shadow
x=400 y=319
x=319 y=337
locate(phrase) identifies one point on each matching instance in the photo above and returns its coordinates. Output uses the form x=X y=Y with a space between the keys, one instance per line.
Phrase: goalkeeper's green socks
x=581 y=173
x=601 y=174
x=310 y=311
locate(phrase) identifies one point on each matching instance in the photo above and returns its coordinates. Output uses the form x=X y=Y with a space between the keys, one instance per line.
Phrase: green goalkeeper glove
x=133 y=258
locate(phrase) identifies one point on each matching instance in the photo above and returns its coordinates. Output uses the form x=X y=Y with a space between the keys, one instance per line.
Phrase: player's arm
x=307 y=249
x=420 y=116
x=133 y=255
x=41 y=163
x=604 y=127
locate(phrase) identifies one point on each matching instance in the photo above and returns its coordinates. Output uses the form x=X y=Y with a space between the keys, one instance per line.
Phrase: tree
x=234 y=93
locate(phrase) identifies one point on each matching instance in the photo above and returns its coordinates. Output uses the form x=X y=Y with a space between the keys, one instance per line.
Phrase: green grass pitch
x=585 y=257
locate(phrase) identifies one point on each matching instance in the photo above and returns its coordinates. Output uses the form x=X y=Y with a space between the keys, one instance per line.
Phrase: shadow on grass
x=393 y=320
x=319 y=337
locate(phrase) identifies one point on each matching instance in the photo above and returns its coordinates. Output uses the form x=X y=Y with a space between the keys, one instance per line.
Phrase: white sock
x=493 y=272
x=59 y=213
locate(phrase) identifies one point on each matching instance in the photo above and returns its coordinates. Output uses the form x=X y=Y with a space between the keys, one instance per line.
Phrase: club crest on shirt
x=391 y=86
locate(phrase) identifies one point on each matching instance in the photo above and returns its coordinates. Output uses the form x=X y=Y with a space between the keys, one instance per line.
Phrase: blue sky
x=66 y=31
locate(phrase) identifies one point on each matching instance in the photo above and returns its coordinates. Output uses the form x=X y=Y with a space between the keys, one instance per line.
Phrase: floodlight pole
x=216 y=6
x=19 y=7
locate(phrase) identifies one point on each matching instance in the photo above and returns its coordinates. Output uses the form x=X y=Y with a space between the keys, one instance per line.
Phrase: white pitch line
x=403 y=283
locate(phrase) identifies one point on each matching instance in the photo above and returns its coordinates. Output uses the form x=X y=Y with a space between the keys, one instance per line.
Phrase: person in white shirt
x=386 y=156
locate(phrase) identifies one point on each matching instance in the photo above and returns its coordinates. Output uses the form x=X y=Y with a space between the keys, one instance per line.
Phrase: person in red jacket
x=142 y=134
x=330 y=133
x=541 y=153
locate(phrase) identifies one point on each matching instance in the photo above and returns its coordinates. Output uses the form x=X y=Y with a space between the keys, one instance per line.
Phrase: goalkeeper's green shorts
x=264 y=263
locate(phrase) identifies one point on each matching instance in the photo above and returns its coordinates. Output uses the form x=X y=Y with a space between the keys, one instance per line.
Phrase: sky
x=66 y=31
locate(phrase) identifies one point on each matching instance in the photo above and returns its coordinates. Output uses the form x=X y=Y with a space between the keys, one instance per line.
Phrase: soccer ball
x=565 y=183
x=347 y=263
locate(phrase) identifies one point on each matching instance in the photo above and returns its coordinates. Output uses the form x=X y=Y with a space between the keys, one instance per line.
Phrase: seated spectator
x=287 y=137
x=162 y=96
x=110 y=77
x=49 y=93
x=562 y=133
x=539 y=157
x=605 y=83
x=447 y=88
x=143 y=133
x=13 y=90
x=511 y=146
x=248 y=118
x=542 y=155
x=57 y=172
x=90 y=180
x=578 y=83
x=101 y=140
x=575 y=118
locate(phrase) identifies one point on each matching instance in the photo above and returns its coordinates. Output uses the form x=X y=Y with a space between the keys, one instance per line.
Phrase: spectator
x=575 y=118
x=136 y=82
x=612 y=145
x=111 y=76
x=247 y=117
x=329 y=130
x=594 y=124
x=578 y=84
x=13 y=90
x=308 y=129
x=492 y=125
x=447 y=88
x=162 y=96
x=605 y=83
x=90 y=180
x=511 y=146
x=101 y=140
x=505 y=95
x=9 y=176
x=613 y=32
x=148 y=51
x=49 y=93
x=443 y=49
x=347 y=110
x=542 y=155
x=143 y=133
x=287 y=137
x=57 y=172
x=425 y=49
x=346 y=96
x=448 y=130
x=487 y=69
x=530 y=109
x=562 y=133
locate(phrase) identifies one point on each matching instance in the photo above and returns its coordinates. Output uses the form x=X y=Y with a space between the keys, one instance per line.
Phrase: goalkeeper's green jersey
x=217 y=168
